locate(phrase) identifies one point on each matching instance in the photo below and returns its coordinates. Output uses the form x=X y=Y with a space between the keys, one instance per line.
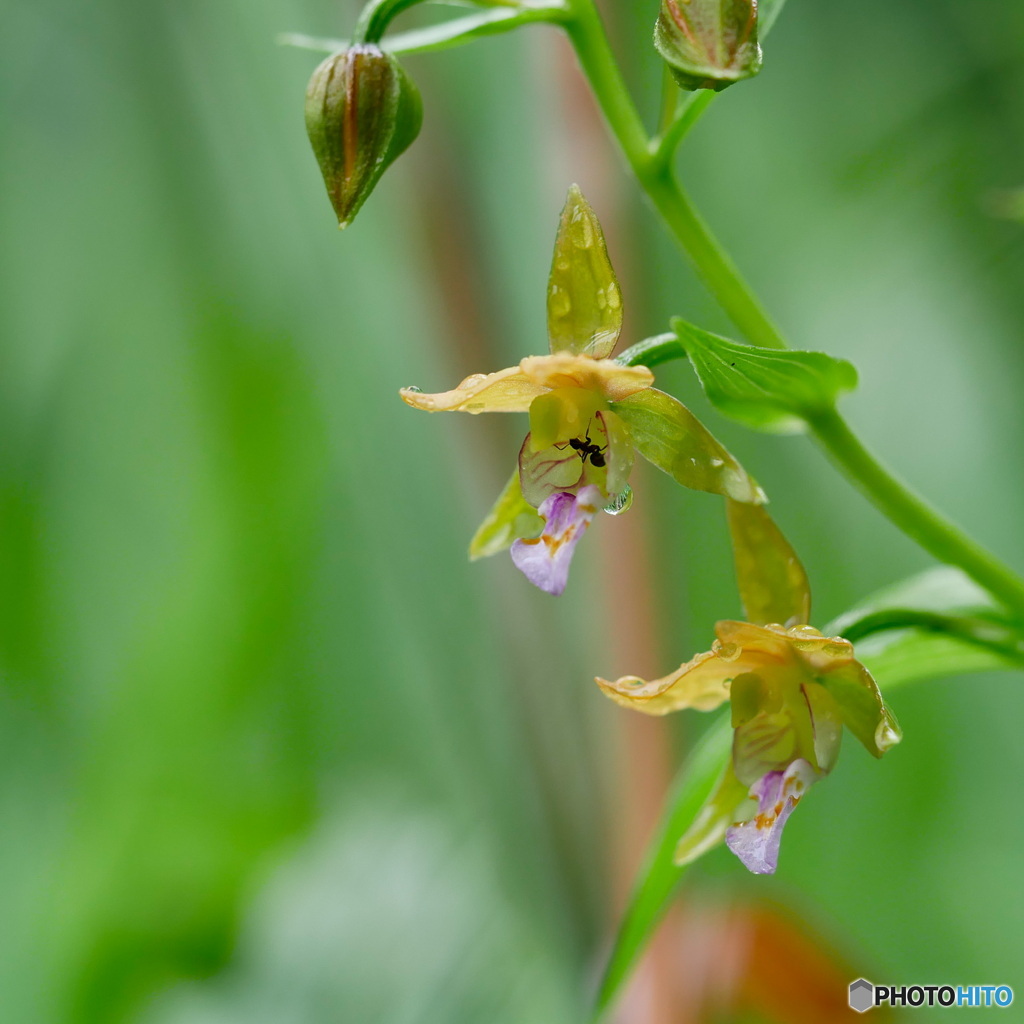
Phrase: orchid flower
x=791 y=691
x=588 y=413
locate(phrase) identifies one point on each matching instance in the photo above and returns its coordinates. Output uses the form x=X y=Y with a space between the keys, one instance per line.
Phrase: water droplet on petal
x=886 y=735
x=415 y=390
x=560 y=303
x=805 y=631
x=621 y=502
x=727 y=652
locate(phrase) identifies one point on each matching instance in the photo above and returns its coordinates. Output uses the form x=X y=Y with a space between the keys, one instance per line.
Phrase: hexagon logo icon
x=862 y=995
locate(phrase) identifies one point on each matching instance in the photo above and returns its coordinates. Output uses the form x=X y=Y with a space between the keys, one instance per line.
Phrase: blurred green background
x=271 y=750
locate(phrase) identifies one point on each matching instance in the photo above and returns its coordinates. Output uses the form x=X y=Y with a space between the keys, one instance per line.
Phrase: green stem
x=672 y=103
x=688 y=114
x=587 y=35
x=913 y=515
x=713 y=264
x=662 y=348
x=375 y=18
x=979 y=632
x=654 y=173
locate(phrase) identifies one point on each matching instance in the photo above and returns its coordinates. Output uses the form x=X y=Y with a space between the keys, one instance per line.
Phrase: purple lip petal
x=756 y=842
x=545 y=560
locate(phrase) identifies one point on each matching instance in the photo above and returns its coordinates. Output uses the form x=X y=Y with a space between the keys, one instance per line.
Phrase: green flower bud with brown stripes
x=709 y=44
x=362 y=112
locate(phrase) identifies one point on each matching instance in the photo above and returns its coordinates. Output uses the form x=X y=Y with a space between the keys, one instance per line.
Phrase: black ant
x=586 y=449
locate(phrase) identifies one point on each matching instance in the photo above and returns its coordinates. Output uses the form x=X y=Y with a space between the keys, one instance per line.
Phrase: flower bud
x=709 y=44
x=362 y=111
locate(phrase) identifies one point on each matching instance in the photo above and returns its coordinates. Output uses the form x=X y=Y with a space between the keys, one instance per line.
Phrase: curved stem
x=587 y=35
x=375 y=18
x=921 y=522
x=662 y=348
x=979 y=632
x=666 y=144
x=652 y=171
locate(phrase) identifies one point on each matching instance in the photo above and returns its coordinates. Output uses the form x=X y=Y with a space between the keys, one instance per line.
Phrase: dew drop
x=727 y=652
x=805 y=631
x=805 y=645
x=886 y=736
x=560 y=303
x=414 y=390
x=621 y=502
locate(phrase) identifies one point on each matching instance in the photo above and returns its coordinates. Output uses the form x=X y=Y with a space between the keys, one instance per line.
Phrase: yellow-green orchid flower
x=587 y=415
x=792 y=690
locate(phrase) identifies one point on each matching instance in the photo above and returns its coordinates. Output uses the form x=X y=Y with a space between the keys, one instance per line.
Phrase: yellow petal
x=603 y=376
x=702 y=683
x=508 y=390
x=748 y=647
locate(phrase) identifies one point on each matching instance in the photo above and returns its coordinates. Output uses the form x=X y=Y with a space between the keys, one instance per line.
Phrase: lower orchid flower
x=791 y=689
x=588 y=414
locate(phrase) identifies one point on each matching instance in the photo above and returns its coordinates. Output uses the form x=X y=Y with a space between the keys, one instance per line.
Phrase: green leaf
x=934 y=624
x=911 y=655
x=510 y=519
x=772 y=583
x=584 y=301
x=694 y=786
x=667 y=434
x=774 y=390
x=944 y=589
